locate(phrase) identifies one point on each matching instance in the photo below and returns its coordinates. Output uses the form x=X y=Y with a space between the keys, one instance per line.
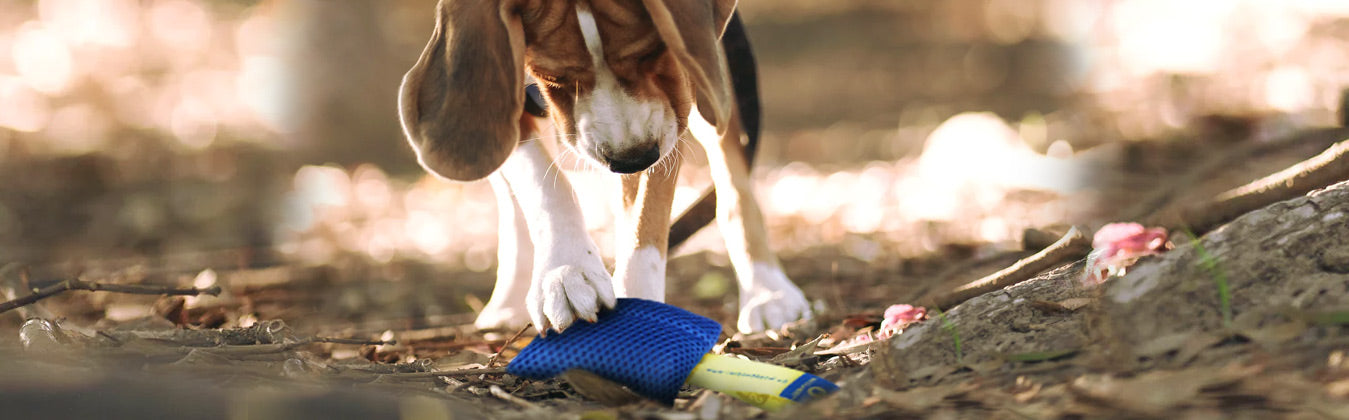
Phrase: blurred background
x=177 y=135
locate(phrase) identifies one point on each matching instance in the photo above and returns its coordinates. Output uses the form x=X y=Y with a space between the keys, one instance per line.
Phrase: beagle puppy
x=622 y=81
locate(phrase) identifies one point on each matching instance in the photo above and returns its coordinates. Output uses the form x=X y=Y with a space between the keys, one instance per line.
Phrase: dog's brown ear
x=691 y=30
x=460 y=104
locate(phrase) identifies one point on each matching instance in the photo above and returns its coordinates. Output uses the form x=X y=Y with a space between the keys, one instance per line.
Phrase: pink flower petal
x=1119 y=245
x=899 y=316
x=1115 y=232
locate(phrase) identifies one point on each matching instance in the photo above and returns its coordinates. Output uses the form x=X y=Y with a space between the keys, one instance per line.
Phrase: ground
x=303 y=338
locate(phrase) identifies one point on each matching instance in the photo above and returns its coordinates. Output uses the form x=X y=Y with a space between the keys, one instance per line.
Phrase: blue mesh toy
x=653 y=348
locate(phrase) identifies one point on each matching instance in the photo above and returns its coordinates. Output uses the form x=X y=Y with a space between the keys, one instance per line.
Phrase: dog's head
x=619 y=76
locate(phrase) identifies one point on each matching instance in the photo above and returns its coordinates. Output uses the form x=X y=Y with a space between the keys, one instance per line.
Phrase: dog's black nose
x=631 y=160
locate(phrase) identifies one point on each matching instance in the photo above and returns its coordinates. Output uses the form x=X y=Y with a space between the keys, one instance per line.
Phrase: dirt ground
x=283 y=339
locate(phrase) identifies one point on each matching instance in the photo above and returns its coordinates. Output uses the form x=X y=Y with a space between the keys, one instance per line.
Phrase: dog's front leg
x=515 y=262
x=768 y=299
x=570 y=281
x=643 y=231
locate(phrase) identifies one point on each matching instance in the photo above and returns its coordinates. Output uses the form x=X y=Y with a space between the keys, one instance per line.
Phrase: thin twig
x=353 y=341
x=1324 y=169
x=506 y=396
x=446 y=373
x=1166 y=194
x=134 y=289
x=1071 y=246
x=248 y=349
x=272 y=348
x=493 y=360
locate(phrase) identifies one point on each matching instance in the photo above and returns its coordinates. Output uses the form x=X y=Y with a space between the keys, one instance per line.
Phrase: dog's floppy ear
x=460 y=104
x=691 y=30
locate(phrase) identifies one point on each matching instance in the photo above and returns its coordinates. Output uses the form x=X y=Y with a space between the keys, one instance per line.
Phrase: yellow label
x=753 y=382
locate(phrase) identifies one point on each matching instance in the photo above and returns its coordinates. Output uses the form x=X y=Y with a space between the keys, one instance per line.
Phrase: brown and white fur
x=623 y=80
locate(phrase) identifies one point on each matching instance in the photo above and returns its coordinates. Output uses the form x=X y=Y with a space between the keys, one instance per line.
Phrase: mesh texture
x=650 y=347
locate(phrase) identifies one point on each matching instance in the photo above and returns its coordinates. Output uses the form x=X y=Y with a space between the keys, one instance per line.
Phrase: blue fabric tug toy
x=654 y=348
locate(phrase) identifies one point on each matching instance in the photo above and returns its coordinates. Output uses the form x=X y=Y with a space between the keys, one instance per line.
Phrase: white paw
x=560 y=296
x=769 y=300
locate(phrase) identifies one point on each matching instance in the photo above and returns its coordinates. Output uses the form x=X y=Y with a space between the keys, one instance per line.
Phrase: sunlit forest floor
x=908 y=149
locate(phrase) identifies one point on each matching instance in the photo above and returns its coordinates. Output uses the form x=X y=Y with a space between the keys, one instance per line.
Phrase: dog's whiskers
x=554 y=169
x=676 y=160
x=550 y=170
x=668 y=162
x=560 y=163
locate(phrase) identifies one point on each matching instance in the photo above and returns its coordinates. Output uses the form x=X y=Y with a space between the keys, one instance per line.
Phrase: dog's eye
x=651 y=55
x=553 y=81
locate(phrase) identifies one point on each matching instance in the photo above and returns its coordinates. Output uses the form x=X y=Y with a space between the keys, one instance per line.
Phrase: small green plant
x=1210 y=264
x=950 y=328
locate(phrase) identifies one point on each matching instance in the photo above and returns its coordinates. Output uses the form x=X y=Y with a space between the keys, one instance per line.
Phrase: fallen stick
x=133 y=289
x=496 y=391
x=1167 y=194
x=444 y=373
x=350 y=341
x=493 y=360
x=1071 y=246
x=1322 y=170
x=271 y=348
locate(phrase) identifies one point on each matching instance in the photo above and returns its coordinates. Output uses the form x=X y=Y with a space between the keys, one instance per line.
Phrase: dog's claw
x=771 y=302
x=568 y=293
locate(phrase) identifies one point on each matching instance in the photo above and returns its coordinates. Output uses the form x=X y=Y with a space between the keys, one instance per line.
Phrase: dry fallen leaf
x=1160 y=345
x=1275 y=334
x=801 y=355
x=918 y=400
x=601 y=390
x=1156 y=392
x=1074 y=304
x=1195 y=345
x=1025 y=389
x=932 y=372
x=463 y=359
